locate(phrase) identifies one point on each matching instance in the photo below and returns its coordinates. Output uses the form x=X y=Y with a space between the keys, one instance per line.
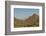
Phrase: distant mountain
x=30 y=21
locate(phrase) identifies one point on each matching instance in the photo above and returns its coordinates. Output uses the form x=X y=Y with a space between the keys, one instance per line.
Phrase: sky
x=23 y=13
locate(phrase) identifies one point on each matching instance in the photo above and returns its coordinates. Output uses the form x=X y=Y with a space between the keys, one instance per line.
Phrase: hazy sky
x=23 y=13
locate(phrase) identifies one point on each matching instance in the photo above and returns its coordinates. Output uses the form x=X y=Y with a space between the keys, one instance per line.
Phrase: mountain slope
x=33 y=20
x=29 y=22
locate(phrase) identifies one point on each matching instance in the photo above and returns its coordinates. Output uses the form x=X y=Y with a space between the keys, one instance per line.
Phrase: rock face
x=31 y=21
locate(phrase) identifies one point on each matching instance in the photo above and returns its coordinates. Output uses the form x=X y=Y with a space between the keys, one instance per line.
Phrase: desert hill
x=31 y=21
